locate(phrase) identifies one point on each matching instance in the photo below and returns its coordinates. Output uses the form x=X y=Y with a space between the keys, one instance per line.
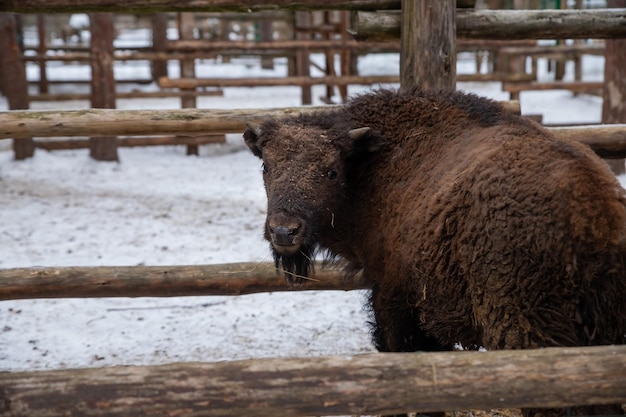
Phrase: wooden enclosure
x=363 y=384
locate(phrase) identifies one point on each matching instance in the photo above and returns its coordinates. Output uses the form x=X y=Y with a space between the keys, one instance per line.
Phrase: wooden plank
x=70 y=123
x=161 y=281
x=428 y=50
x=148 y=6
x=507 y=24
x=371 y=384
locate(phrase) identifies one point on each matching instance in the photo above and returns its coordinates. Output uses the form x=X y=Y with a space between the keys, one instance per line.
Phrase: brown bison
x=472 y=225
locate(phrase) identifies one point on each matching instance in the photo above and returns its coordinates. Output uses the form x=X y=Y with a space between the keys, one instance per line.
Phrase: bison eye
x=265 y=169
x=332 y=174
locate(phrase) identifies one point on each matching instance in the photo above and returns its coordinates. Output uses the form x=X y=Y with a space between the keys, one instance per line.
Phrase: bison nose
x=284 y=235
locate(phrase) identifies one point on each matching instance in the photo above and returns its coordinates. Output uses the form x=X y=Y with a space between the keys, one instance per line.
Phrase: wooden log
x=329 y=80
x=102 y=148
x=541 y=50
x=158 y=67
x=428 y=48
x=296 y=44
x=614 y=89
x=131 y=95
x=61 y=144
x=13 y=82
x=608 y=141
x=148 y=6
x=276 y=81
x=507 y=24
x=70 y=123
x=161 y=281
x=370 y=384
x=577 y=86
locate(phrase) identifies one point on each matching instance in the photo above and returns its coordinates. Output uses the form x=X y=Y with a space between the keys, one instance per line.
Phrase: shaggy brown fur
x=474 y=226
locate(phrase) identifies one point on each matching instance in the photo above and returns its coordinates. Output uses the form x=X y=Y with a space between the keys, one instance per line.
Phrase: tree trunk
x=13 y=79
x=427 y=47
x=614 y=105
x=102 y=148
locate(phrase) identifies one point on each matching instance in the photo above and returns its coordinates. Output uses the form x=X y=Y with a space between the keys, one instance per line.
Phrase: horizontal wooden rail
x=150 y=6
x=371 y=384
x=160 y=281
x=576 y=86
x=110 y=122
x=607 y=140
x=507 y=24
x=124 y=95
x=549 y=50
x=63 y=144
x=191 y=83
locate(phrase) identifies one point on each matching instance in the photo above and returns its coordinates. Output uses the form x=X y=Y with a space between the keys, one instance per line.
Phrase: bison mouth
x=291 y=246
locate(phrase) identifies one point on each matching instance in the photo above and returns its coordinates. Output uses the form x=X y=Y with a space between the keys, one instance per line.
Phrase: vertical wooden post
x=265 y=34
x=186 y=23
x=614 y=106
x=102 y=80
x=329 y=56
x=41 y=50
x=159 y=44
x=13 y=79
x=303 y=20
x=428 y=44
x=345 y=54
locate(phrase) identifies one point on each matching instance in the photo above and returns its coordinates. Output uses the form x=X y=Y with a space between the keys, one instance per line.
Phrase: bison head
x=306 y=171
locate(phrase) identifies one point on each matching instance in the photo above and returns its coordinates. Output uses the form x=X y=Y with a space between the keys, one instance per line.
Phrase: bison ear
x=251 y=136
x=364 y=139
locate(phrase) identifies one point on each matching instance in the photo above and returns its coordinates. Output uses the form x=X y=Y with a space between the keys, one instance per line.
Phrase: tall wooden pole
x=427 y=44
x=13 y=79
x=159 y=44
x=614 y=105
x=102 y=80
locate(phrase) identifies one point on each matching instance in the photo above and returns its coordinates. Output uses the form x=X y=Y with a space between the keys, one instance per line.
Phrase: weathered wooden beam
x=152 y=6
x=161 y=281
x=428 y=44
x=92 y=122
x=328 y=80
x=61 y=144
x=371 y=384
x=608 y=141
x=276 y=81
x=124 y=95
x=507 y=24
x=577 y=86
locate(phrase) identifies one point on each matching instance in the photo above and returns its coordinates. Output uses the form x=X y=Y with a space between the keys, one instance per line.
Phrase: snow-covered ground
x=161 y=207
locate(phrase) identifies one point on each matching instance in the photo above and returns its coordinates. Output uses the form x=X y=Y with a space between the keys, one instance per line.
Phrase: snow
x=161 y=207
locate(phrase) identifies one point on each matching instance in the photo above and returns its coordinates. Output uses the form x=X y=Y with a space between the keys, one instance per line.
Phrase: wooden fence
x=363 y=384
